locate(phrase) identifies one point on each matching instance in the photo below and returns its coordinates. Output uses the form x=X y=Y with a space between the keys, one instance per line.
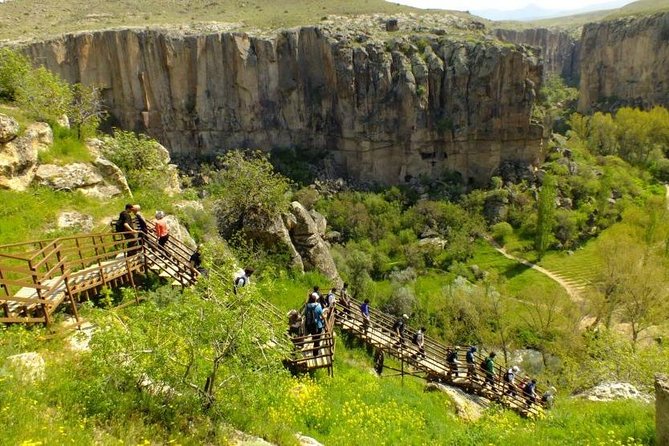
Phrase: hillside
x=23 y=19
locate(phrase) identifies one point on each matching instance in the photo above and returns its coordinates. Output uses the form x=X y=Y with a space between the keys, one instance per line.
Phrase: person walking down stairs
x=398 y=329
x=364 y=311
x=162 y=231
x=242 y=278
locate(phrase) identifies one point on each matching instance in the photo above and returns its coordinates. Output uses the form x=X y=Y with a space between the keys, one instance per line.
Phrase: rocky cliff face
x=559 y=50
x=386 y=110
x=624 y=62
x=662 y=409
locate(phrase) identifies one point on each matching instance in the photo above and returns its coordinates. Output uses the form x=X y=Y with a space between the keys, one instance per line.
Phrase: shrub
x=501 y=231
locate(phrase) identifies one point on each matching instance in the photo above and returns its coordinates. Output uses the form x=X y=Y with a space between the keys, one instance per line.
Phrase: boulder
x=467 y=407
x=662 y=409
x=9 y=128
x=179 y=231
x=321 y=222
x=76 y=176
x=75 y=220
x=27 y=367
x=272 y=233
x=307 y=441
x=112 y=174
x=239 y=438
x=611 y=391
x=40 y=136
x=311 y=246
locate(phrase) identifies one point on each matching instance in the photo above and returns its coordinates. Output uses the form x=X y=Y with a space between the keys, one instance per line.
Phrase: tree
x=44 y=95
x=247 y=184
x=545 y=215
x=86 y=111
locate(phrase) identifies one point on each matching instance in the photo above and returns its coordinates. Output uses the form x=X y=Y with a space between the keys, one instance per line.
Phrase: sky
x=541 y=6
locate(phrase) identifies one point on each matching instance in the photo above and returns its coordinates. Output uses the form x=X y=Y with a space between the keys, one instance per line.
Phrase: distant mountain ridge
x=536 y=12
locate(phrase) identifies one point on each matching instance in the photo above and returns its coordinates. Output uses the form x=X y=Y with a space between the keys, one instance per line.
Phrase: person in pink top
x=162 y=232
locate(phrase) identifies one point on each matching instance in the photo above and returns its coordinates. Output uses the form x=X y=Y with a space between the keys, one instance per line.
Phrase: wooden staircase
x=37 y=276
x=433 y=366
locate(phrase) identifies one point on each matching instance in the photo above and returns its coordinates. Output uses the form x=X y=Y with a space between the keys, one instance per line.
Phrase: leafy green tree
x=545 y=215
x=14 y=68
x=247 y=184
x=44 y=95
x=86 y=111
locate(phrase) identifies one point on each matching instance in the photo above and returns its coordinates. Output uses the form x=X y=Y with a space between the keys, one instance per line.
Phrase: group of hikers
x=132 y=223
x=312 y=323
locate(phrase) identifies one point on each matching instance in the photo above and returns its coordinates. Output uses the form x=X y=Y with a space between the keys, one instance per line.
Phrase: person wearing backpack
x=332 y=298
x=242 y=278
x=313 y=321
x=530 y=392
x=452 y=360
x=419 y=340
x=398 y=329
x=510 y=380
x=489 y=369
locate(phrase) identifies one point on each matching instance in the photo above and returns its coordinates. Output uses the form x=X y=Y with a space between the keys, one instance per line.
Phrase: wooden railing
x=315 y=351
x=36 y=276
x=434 y=365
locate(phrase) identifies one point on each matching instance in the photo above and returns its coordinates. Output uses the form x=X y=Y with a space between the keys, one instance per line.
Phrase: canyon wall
x=386 y=111
x=625 y=62
x=560 y=52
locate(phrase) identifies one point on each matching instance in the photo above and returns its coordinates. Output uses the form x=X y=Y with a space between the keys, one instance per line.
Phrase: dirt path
x=573 y=292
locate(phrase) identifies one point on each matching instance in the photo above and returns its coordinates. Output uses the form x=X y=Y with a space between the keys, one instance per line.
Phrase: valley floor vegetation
x=189 y=368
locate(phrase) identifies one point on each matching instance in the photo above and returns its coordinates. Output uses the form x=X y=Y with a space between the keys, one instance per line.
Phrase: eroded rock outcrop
x=560 y=51
x=662 y=409
x=612 y=391
x=19 y=153
x=386 y=107
x=624 y=62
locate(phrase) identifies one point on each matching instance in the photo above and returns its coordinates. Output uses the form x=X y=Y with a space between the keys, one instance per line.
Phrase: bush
x=501 y=231
x=143 y=161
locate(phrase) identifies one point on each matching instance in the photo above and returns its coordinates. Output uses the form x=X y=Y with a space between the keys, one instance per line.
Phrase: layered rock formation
x=387 y=109
x=624 y=62
x=662 y=409
x=560 y=51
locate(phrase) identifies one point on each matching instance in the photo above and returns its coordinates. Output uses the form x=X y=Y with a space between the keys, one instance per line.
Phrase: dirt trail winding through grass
x=573 y=292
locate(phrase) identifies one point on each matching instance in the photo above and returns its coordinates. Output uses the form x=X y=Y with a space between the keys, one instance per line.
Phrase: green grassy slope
x=20 y=19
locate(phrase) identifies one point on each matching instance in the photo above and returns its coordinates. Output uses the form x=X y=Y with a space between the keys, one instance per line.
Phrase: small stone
x=28 y=367
x=9 y=128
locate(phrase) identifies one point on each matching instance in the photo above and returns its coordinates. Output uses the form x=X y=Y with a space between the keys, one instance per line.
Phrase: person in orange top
x=162 y=232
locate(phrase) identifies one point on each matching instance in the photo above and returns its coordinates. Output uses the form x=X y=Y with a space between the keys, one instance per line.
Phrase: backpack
x=415 y=338
x=240 y=281
x=483 y=364
x=310 y=317
x=507 y=377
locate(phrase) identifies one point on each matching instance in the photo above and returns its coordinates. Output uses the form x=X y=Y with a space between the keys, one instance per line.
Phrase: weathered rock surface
x=387 y=107
x=662 y=409
x=179 y=231
x=27 y=367
x=468 y=407
x=307 y=441
x=9 y=128
x=18 y=156
x=624 y=62
x=308 y=241
x=75 y=220
x=273 y=233
x=560 y=51
x=614 y=391
x=76 y=176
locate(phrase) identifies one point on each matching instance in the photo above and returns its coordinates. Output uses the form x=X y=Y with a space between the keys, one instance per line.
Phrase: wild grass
x=67 y=148
x=19 y=19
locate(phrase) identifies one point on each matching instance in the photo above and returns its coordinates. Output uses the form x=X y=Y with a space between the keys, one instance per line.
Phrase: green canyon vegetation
x=592 y=212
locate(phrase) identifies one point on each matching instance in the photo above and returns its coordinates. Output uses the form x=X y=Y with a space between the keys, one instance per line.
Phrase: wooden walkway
x=433 y=366
x=37 y=276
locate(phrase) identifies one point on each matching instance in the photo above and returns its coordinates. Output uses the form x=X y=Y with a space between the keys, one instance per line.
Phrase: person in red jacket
x=162 y=232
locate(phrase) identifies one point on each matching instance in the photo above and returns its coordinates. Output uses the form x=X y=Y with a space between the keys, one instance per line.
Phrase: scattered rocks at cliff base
x=612 y=391
x=662 y=409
